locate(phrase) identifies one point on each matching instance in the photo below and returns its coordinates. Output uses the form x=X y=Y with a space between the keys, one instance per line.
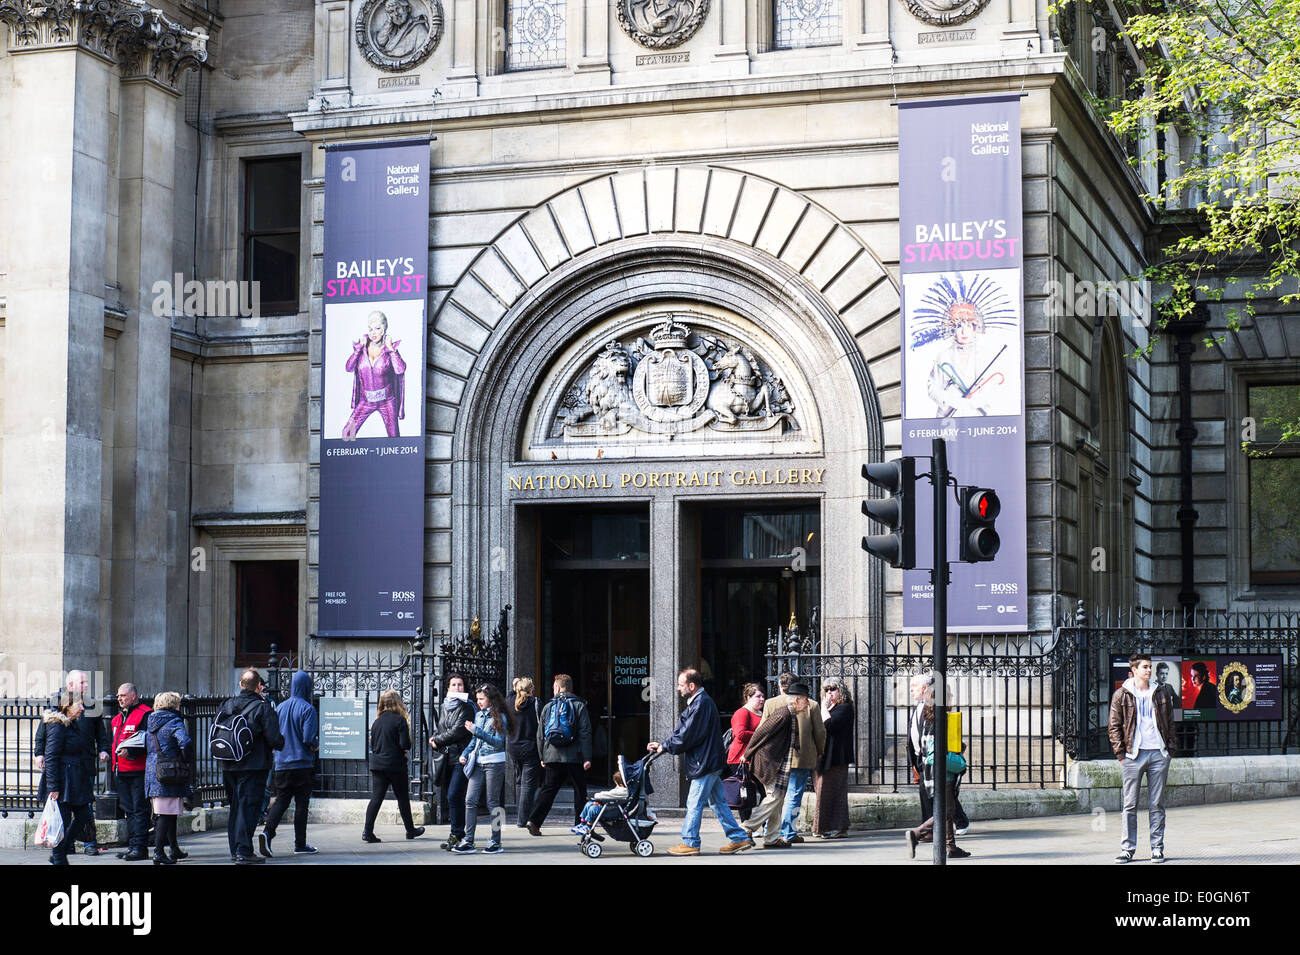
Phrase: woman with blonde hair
x=522 y=747
x=390 y=741
x=167 y=773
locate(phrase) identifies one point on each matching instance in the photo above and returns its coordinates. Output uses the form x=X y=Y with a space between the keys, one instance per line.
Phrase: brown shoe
x=776 y=844
x=534 y=829
x=796 y=840
x=733 y=847
x=683 y=850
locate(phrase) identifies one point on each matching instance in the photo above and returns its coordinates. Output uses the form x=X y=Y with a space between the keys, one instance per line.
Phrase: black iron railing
x=1086 y=652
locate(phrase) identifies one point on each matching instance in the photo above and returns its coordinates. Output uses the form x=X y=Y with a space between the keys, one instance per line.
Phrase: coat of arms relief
x=674 y=382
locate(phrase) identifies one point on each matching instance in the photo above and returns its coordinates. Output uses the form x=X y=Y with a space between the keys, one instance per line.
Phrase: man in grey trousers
x=1141 y=729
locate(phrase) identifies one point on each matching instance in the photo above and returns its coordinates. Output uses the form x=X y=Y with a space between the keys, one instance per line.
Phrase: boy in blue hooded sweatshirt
x=294 y=764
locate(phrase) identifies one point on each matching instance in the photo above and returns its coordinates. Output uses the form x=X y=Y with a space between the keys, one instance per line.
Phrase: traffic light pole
x=939 y=580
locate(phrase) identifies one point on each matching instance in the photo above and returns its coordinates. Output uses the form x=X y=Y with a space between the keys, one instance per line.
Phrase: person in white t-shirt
x=1141 y=729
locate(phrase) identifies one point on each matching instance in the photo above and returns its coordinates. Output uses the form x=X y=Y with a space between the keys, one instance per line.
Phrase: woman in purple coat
x=380 y=379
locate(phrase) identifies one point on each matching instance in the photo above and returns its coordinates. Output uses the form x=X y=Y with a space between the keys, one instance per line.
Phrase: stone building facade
x=608 y=179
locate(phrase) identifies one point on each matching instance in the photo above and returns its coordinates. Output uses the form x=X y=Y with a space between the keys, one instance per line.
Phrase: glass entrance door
x=758 y=567
x=595 y=624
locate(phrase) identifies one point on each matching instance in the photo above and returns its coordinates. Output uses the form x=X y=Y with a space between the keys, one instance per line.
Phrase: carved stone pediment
x=398 y=35
x=661 y=24
x=671 y=380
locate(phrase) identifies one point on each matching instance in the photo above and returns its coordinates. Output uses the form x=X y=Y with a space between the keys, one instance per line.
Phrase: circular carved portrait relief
x=660 y=24
x=396 y=35
x=945 y=13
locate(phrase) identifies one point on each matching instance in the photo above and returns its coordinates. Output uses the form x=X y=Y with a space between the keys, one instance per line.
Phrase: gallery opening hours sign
x=375 y=286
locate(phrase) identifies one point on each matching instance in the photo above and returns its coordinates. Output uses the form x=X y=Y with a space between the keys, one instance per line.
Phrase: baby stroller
x=625 y=818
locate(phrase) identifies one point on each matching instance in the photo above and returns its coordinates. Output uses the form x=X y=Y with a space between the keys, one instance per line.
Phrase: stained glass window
x=801 y=23
x=535 y=36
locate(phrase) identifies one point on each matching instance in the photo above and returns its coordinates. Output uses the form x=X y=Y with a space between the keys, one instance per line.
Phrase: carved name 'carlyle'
x=739 y=477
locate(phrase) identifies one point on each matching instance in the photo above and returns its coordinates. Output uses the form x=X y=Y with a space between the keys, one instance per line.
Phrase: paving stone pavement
x=1264 y=832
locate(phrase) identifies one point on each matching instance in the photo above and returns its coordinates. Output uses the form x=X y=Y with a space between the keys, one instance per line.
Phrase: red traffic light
x=984 y=505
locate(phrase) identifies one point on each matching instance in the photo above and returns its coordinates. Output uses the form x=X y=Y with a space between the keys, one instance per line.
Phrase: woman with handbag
x=831 y=782
x=167 y=773
x=448 y=739
x=953 y=766
x=65 y=779
x=390 y=741
x=740 y=784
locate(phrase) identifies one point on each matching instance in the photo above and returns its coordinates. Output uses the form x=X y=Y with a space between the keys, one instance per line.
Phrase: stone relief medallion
x=945 y=13
x=396 y=35
x=675 y=382
x=661 y=24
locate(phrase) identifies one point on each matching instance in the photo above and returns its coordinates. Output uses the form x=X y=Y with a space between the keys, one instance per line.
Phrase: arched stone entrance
x=754 y=264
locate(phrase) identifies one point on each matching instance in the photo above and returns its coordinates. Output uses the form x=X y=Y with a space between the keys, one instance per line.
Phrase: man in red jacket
x=129 y=726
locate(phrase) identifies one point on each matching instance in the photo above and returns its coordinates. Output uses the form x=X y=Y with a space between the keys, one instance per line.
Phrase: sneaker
x=264 y=844
x=415 y=833
x=306 y=849
x=910 y=836
x=249 y=860
x=682 y=849
x=1125 y=855
x=956 y=852
x=733 y=847
x=961 y=830
x=494 y=848
x=451 y=843
x=1157 y=856
x=581 y=829
x=464 y=848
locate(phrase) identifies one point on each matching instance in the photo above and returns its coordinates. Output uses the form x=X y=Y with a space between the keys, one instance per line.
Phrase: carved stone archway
x=689 y=233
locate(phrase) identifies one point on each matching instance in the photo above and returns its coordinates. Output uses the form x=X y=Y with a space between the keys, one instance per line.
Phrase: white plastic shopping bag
x=49 y=831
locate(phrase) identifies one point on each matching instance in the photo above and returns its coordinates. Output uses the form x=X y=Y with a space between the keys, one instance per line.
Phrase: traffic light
x=897 y=512
x=979 y=510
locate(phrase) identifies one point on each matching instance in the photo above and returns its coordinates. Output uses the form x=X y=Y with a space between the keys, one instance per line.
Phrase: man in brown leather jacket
x=1141 y=729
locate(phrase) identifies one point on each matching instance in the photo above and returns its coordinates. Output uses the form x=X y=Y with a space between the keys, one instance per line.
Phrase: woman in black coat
x=448 y=740
x=65 y=777
x=831 y=818
x=390 y=741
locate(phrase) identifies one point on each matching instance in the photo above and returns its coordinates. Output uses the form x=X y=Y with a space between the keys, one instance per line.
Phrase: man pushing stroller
x=698 y=739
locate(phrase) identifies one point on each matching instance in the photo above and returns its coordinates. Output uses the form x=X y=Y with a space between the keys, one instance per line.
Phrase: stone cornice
x=142 y=40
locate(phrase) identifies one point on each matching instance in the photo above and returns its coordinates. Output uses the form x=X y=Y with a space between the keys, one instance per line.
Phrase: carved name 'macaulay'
x=719 y=477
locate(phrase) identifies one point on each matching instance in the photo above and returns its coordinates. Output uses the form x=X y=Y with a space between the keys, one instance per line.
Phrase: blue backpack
x=559 y=722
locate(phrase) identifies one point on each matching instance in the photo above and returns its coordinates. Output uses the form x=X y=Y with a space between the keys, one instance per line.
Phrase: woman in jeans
x=485 y=765
x=448 y=739
x=523 y=747
x=390 y=740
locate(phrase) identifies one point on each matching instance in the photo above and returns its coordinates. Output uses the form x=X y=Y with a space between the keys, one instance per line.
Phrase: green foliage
x=1227 y=73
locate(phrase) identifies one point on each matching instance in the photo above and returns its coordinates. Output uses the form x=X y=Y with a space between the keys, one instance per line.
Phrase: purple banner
x=961 y=255
x=375 y=284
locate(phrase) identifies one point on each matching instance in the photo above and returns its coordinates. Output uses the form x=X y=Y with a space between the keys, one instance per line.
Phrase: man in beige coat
x=812 y=743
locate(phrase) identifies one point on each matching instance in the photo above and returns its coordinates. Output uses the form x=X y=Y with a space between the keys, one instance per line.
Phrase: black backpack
x=232 y=736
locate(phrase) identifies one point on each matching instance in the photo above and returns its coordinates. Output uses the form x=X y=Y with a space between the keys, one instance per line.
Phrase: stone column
x=730 y=20
x=142 y=379
x=872 y=21
x=665 y=652
x=51 y=470
x=462 y=78
x=54 y=337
